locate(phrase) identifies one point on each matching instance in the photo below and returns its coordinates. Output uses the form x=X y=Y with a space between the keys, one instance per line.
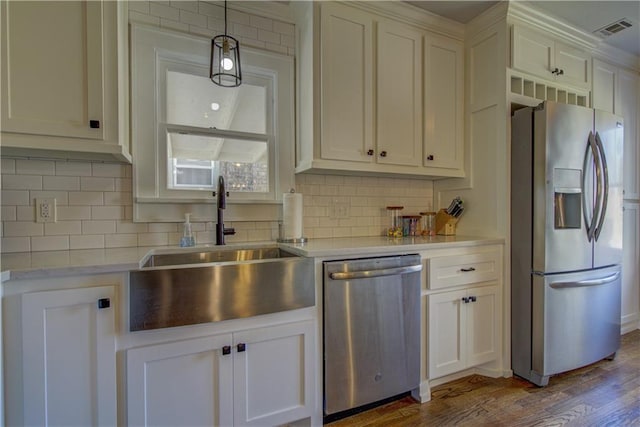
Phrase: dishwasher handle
x=375 y=273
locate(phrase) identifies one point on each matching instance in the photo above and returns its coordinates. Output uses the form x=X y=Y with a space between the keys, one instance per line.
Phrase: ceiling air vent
x=615 y=27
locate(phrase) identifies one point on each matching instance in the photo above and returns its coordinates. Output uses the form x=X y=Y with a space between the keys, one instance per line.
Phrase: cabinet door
x=444 y=100
x=532 y=52
x=605 y=77
x=482 y=314
x=631 y=267
x=273 y=376
x=627 y=105
x=68 y=346
x=447 y=333
x=347 y=84
x=52 y=70
x=575 y=65
x=399 y=95
x=183 y=383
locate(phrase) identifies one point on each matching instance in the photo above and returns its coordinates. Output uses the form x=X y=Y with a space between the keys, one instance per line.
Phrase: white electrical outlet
x=45 y=210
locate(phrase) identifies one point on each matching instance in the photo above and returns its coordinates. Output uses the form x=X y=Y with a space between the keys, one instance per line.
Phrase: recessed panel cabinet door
x=628 y=106
x=347 y=84
x=575 y=65
x=69 y=369
x=447 y=333
x=482 y=315
x=181 y=383
x=52 y=68
x=274 y=374
x=532 y=52
x=399 y=95
x=444 y=101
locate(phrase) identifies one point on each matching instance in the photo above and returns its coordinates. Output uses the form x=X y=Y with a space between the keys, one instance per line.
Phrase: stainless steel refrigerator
x=566 y=238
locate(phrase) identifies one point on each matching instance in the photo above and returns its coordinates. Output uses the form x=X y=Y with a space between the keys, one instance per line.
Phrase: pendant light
x=224 y=69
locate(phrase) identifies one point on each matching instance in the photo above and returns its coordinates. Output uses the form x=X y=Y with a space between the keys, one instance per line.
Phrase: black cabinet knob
x=430 y=157
x=369 y=152
x=104 y=303
x=241 y=347
x=226 y=350
x=465 y=300
x=383 y=154
x=472 y=299
x=94 y=124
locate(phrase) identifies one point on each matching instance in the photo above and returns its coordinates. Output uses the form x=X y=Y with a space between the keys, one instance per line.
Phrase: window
x=186 y=131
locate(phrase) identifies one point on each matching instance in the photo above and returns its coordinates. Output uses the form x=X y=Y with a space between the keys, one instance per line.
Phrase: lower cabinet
x=463 y=329
x=69 y=357
x=254 y=377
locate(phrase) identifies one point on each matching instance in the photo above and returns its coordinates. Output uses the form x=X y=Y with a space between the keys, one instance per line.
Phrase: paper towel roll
x=291 y=216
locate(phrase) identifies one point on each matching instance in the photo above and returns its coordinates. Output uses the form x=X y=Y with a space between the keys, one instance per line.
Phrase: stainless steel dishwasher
x=371 y=330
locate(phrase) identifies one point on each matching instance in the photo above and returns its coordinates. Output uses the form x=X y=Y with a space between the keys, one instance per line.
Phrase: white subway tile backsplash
x=35 y=167
x=66 y=213
x=186 y=5
x=68 y=183
x=98 y=227
x=141 y=6
x=143 y=18
x=268 y=36
x=110 y=170
x=120 y=240
x=49 y=243
x=287 y=41
x=21 y=182
x=97 y=184
x=212 y=10
x=14 y=197
x=164 y=11
x=73 y=168
x=86 y=198
x=153 y=239
x=61 y=228
x=118 y=198
x=238 y=17
x=15 y=244
x=22 y=228
x=261 y=23
x=131 y=227
x=284 y=28
x=7 y=166
x=8 y=213
x=174 y=25
x=62 y=197
x=107 y=212
x=87 y=242
x=26 y=213
x=191 y=18
x=163 y=227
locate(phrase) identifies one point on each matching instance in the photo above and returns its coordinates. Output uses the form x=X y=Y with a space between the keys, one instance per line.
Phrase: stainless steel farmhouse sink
x=191 y=287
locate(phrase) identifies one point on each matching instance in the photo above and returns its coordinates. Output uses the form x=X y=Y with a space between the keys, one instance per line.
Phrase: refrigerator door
x=608 y=233
x=575 y=320
x=561 y=140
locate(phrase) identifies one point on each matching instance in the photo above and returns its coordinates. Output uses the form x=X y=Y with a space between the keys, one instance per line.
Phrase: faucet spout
x=221 y=204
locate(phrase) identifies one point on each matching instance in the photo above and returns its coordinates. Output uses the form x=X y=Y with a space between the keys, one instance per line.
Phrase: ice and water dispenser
x=567 y=187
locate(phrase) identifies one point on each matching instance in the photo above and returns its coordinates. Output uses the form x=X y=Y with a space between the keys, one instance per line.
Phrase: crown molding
x=617 y=56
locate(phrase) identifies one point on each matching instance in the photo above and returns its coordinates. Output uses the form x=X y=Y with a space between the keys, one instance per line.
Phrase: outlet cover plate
x=46 y=210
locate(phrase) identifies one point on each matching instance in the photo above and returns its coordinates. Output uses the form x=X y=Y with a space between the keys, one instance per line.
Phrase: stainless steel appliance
x=566 y=238
x=371 y=330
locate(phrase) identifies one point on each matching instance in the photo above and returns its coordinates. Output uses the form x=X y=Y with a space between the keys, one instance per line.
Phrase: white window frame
x=152 y=49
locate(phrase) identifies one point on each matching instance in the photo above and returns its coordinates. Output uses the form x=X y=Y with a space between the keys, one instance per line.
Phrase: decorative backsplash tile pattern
x=94 y=208
x=94 y=199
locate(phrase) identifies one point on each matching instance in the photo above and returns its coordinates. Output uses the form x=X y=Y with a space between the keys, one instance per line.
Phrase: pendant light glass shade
x=224 y=69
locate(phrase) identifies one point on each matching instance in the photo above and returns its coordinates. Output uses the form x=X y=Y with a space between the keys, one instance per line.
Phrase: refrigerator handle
x=590 y=223
x=582 y=283
x=605 y=177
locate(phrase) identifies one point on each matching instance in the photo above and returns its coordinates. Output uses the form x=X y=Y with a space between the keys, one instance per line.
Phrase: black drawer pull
x=241 y=347
x=226 y=350
x=467 y=270
x=104 y=303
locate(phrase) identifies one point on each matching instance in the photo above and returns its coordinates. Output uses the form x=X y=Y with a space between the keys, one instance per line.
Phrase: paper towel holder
x=280 y=231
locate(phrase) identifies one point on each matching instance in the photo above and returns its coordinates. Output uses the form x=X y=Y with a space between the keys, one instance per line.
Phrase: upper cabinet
x=540 y=55
x=64 y=91
x=386 y=96
x=617 y=90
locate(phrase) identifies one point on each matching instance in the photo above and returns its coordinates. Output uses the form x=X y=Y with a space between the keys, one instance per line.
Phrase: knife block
x=445 y=223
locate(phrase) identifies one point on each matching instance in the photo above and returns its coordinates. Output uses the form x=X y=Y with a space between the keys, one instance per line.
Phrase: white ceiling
x=585 y=14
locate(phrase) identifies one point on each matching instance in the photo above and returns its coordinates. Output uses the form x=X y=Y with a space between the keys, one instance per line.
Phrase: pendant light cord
x=225 y=18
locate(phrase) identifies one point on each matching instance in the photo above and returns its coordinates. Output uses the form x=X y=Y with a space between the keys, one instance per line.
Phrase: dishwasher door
x=371 y=330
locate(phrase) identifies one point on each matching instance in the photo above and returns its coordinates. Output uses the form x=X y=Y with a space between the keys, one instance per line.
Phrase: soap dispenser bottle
x=187 y=235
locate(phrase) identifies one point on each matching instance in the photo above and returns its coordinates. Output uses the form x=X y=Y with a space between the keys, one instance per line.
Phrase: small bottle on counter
x=395 y=221
x=187 y=239
x=428 y=223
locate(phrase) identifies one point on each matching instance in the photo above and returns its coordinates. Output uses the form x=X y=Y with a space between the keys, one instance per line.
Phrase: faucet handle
x=229 y=231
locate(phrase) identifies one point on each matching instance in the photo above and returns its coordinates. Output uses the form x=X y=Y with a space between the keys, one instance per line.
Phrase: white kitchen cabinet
x=399 y=94
x=540 y=55
x=617 y=90
x=67 y=97
x=255 y=377
x=463 y=329
x=444 y=103
x=347 y=84
x=631 y=268
x=69 y=357
x=368 y=111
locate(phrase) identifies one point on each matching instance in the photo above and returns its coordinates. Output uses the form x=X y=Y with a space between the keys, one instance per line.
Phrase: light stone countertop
x=39 y=265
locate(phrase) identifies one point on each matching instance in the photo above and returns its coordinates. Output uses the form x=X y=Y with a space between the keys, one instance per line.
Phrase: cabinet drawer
x=450 y=271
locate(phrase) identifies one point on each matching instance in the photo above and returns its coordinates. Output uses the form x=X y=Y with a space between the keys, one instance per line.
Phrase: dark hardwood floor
x=606 y=393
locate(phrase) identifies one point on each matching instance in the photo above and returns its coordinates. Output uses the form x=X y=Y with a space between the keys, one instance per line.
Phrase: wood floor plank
x=604 y=394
